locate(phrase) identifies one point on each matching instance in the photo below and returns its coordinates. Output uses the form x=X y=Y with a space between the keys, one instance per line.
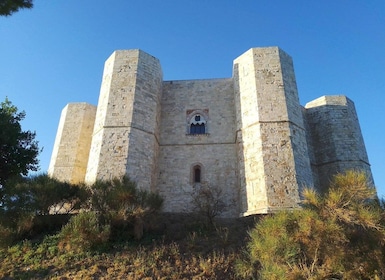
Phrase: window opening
x=197 y=174
x=197 y=125
x=197 y=129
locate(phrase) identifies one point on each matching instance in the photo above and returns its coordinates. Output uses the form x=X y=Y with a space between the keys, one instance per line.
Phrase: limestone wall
x=310 y=148
x=125 y=138
x=272 y=149
x=72 y=144
x=299 y=147
x=214 y=151
x=258 y=149
x=336 y=137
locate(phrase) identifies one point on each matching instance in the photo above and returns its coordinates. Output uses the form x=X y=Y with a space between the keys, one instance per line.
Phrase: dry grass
x=176 y=247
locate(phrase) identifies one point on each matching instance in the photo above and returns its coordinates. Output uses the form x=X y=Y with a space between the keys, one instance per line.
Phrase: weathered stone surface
x=273 y=150
x=72 y=144
x=247 y=135
x=335 y=135
x=126 y=132
x=181 y=151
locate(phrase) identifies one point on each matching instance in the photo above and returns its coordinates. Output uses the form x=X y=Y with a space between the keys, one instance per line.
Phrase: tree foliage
x=118 y=209
x=84 y=232
x=120 y=203
x=108 y=210
x=18 y=148
x=43 y=195
x=8 y=7
x=122 y=197
x=27 y=202
x=337 y=235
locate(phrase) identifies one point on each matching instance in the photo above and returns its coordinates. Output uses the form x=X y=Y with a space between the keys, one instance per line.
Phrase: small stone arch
x=196 y=173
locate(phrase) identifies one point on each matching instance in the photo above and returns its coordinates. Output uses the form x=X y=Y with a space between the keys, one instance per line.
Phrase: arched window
x=197 y=174
x=197 y=124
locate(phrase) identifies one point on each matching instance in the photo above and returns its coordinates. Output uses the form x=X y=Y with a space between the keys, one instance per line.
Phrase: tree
x=8 y=7
x=43 y=195
x=27 y=202
x=18 y=148
x=337 y=235
x=208 y=202
x=120 y=203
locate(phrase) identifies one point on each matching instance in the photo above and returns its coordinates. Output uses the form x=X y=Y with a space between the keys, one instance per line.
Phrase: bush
x=30 y=206
x=120 y=204
x=208 y=202
x=83 y=232
x=337 y=235
x=53 y=197
x=7 y=236
x=42 y=195
x=26 y=200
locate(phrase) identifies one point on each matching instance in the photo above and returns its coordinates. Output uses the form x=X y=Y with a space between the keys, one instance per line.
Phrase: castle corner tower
x=126 y=132
x=72 y=144
x=335 y=135
x=272 y=151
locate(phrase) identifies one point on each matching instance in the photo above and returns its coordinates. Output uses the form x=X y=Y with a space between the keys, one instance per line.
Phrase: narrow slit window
x=197 y=174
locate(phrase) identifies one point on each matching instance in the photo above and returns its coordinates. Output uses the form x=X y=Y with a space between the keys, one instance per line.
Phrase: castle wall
x=310 y=148
x=214 y=151
x=336 y=136
x=272 y=150
x=125 y=138
x=257 y=150
x=72 y=144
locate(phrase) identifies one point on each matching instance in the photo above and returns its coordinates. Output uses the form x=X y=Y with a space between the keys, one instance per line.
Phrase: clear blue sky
x=54 y=53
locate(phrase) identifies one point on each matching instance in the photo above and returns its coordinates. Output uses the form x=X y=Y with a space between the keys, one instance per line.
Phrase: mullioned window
x=197 y=122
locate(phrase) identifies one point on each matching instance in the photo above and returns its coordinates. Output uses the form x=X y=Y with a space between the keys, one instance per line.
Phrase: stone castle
x=246 y=135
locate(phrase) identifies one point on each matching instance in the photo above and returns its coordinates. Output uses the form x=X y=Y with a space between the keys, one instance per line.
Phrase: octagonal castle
x=246 y=135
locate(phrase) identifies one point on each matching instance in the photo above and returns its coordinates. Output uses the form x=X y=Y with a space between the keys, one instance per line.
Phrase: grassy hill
x=338 y=234
x=175 y=247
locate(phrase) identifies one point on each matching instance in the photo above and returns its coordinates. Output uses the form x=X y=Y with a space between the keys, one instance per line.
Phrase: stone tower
x=272 y=151
x=335 y=137
x=72 y=145
x=126 y=132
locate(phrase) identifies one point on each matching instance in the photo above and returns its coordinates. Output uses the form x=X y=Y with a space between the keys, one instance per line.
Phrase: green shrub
x=52 y=196
x=42 y=195
x=337 y=235
x=83 y=232
x=7 y=236
x=16 y=223
x=121 y=204
x=26 y=202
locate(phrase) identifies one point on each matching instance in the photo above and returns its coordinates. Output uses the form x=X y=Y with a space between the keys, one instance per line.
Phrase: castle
x=247 y=135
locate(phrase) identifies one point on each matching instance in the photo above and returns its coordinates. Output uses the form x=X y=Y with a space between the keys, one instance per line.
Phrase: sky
x=54 y=54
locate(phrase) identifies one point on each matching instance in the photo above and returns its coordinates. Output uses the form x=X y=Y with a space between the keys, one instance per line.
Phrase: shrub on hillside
x=337 y=235
x=83 y=232
x=121 y=204
x=26 y=200
x=208 y=202
x=38 y=194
